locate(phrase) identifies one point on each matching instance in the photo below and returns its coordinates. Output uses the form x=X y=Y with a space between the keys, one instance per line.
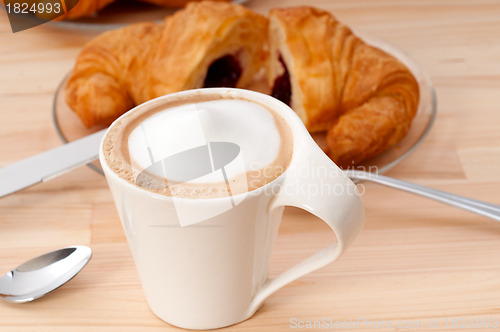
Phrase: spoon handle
x=483 y=208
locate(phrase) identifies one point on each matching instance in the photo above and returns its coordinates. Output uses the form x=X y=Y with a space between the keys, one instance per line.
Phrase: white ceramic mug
x=215 y=273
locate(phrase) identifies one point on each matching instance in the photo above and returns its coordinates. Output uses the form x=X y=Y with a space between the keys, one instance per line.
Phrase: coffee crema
x=199 y=146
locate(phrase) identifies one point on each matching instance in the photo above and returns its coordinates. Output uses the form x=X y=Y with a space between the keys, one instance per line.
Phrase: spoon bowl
x=43 y=274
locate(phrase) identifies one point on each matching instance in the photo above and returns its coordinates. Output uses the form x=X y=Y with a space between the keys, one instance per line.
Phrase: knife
x=49 y=164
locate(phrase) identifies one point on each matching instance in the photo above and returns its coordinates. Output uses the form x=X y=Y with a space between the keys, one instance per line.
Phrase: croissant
x=86 y=8
x=108 y=78
x=365 y=98
x=205 y=45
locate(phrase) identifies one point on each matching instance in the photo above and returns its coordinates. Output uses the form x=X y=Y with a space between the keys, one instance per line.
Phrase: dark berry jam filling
x=282 y=88
x=223 y=73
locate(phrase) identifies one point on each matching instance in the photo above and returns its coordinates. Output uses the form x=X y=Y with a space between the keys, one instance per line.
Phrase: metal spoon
x=43 y=274
x=486 y=209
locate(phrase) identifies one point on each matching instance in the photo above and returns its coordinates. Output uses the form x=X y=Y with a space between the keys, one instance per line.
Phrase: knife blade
x=49 y=164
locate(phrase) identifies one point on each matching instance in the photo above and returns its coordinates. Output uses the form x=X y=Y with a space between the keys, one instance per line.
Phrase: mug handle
x=343 y=212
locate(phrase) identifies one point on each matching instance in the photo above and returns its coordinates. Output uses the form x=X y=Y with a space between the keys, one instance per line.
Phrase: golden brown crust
x=198 y=35
x=365 y=97
x=108 y=78
x=380 y=101
x=128 y=66
x=302 y=36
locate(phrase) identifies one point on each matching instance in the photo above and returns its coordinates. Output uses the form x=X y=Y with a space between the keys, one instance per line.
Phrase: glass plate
x=70 y=128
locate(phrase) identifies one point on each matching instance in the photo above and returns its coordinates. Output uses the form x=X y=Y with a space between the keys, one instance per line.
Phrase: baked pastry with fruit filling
x=208 y=44
x=363 y=97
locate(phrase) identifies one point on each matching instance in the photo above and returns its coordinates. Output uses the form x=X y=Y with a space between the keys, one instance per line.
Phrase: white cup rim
x=297 y=127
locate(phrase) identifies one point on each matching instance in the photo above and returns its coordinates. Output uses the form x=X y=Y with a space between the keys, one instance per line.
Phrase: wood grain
x=417 y=265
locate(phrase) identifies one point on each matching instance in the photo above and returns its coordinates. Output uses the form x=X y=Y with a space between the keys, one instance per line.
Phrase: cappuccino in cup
x=207 y=147
x=200 y=180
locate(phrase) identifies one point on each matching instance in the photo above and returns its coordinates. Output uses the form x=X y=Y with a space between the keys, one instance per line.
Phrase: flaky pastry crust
x=125 y=67
x=364 y=97
x=109 y=78
x=192 y=39
x=85 y=8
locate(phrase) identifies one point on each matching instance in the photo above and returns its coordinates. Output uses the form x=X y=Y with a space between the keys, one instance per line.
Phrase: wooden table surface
x=417 y=264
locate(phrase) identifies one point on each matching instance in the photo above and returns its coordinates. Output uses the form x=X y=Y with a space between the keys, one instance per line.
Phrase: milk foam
x=204 y=146
x=166 y=133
